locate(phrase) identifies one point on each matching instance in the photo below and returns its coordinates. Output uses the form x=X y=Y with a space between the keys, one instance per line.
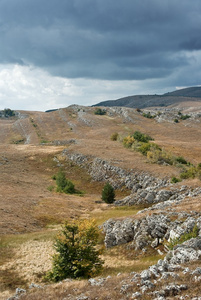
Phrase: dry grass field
x=31 y=214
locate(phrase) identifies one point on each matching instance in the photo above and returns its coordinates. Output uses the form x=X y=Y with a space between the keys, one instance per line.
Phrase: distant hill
x=143 y=101
x=187 y=92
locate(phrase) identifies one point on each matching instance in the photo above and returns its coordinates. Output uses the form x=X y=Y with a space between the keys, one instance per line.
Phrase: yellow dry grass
x=26 y=205
x=31 y=259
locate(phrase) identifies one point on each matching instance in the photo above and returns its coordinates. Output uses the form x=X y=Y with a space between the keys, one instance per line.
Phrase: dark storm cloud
x=131 y=39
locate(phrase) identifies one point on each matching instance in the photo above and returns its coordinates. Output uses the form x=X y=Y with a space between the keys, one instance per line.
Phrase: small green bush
x=189 y=173
x=148 y=115
x=108 y=194
x=159 y=156
x=176 y=120
x=128 y=141
x=69 y=188
x=175 y=180
x=64 y=185
x=144 y=148
x=184 y=117
x=141 y=137
x=61 y=180
x=181 y=160
x=100 y=112
x=114 y=136
x=8 y=112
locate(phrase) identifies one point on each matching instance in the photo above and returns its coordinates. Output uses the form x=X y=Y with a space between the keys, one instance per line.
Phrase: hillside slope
x=29 y=138
x=34 y=146
x=143 y=101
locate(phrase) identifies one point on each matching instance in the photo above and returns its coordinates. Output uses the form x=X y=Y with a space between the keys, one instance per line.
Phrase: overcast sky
x=57 y=53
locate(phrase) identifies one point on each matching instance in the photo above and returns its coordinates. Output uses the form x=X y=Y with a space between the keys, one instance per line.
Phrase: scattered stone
x=146 y=285
x=34 y=285
x=136 y=295
x=124 y=288
x=145 y=275
x=197 y=271
x=173 y=289
x=97 y=282
x=82 y=297
x=19 y=292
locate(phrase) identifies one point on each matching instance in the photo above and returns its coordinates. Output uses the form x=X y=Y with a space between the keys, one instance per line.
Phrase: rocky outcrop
x=150 y=230
x=157 y=194
x=118 y=232
x=186 y=252
x=145 y=188
x=101 y=170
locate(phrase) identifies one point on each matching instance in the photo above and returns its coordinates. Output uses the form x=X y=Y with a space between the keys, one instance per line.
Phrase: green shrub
x=114 y=136
x=141 y=137
x=128 y=141
x=8 y=112
x=176 y=120
x=108 y=194
x=64 y=185
x=148 y=115
x=77 y=256
x=69 y=188
x=189 y=173
x=184 y=117
x=181 y=160
x=100 y=111
x=61 y=180
x=157 y=155
x=144 y=148
x=175 y=180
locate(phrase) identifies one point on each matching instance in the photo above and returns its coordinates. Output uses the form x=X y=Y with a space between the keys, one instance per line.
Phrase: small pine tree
x=77 y=256
x=61 y=180
x=63 y=184
x=69 y=188
x=108 y=194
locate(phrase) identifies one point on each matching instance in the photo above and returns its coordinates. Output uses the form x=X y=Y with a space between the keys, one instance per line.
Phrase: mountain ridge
x=143 y=101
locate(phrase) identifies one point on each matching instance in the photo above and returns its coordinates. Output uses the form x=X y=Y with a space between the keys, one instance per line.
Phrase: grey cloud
x=100 y=39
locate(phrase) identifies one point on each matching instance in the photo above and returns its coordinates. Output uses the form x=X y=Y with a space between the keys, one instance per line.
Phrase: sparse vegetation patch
x=185 y=237
x=148 y=115
x=183 y=117
x=140 y=142
x=191 y=172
